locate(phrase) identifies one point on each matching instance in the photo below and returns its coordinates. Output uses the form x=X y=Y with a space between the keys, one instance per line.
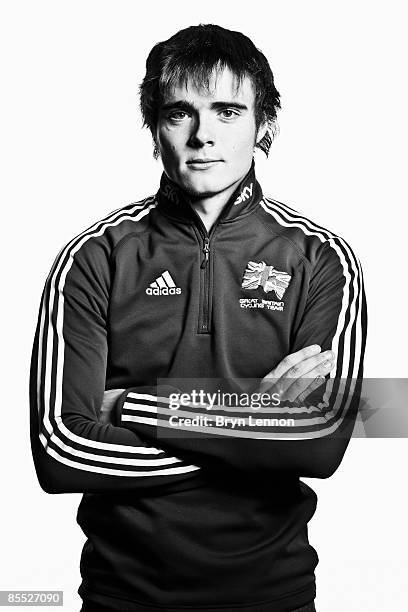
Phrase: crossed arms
x=76 y=448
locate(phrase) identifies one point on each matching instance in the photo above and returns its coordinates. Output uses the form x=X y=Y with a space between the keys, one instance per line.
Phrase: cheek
x=243 y=139
x=170 y=142
x=243 y=143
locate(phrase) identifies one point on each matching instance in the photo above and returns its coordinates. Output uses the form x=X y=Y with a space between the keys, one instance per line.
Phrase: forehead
x=223 y=85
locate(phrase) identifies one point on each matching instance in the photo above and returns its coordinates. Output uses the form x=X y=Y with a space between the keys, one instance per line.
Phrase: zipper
x=206 y=250
x=204 y=324
x=205 y=274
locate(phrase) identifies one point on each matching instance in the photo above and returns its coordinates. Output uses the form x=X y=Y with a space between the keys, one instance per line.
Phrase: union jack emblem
x=260 y=275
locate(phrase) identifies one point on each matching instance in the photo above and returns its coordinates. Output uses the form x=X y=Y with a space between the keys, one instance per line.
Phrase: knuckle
x=325 y=365
x=288 y=361
x=293 y=372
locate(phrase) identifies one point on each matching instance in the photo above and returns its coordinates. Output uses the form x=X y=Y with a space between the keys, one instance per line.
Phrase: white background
x=72 y=150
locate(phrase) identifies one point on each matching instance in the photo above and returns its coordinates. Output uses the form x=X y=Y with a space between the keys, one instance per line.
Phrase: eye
x=177 y=115
x=228 y=113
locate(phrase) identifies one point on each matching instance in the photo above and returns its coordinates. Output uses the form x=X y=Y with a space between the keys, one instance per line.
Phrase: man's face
x=206 y=138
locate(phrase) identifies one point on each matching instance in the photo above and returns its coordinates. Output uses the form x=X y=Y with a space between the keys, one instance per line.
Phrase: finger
x=288 y=362
x=305 y=368
x=300 y=385
x=294 y=358
x=315 y=384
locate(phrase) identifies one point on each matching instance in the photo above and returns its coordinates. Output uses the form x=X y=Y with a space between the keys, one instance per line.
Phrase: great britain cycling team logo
x=270 y=279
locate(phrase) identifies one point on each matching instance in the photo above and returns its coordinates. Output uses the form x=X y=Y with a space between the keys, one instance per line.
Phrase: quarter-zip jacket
x=217 y=518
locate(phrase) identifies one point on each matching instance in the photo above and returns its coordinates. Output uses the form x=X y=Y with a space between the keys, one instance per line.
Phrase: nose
x=202 y=133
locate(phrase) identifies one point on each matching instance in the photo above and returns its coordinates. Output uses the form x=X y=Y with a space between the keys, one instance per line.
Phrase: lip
x=202 y=163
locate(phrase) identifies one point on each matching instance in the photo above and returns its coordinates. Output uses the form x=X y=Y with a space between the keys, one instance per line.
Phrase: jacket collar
x=175 y=203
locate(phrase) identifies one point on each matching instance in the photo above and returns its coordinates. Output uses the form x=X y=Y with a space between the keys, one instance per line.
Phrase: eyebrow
x=188 y=106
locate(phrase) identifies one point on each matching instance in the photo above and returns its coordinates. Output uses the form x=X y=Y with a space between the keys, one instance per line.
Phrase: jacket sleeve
x=317 y=433
x=72 y=451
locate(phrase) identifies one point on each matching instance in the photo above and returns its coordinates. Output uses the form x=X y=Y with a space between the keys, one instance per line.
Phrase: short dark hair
x=193 y=54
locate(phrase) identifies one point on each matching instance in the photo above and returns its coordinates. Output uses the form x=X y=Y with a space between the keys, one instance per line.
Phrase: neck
x=237 y=200
x=209 y=208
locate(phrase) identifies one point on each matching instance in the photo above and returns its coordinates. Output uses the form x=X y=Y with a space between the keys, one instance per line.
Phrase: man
x=208 y=281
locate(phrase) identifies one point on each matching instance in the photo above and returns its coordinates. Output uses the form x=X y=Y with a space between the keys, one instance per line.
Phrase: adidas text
x=163 y=291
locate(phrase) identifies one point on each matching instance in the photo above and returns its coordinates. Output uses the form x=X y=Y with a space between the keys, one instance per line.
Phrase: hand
x=106 y=414
x=298 y=374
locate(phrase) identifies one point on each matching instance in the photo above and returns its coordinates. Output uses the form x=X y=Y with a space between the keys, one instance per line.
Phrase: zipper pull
x=206 y=249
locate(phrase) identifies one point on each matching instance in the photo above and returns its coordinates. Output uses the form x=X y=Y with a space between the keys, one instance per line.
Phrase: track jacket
x=212 y=518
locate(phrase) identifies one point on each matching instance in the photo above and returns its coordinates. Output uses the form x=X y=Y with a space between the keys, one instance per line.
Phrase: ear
x=263 y=128
x=156 y=148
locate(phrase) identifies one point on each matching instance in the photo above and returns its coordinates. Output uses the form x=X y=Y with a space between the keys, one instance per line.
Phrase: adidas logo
x=163 y=285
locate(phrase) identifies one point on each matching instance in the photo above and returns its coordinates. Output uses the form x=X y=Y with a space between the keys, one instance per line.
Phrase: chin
x=204 y=188
x=203 y=195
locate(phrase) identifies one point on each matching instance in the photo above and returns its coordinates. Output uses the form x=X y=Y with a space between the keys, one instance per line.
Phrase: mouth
x=202 y=163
